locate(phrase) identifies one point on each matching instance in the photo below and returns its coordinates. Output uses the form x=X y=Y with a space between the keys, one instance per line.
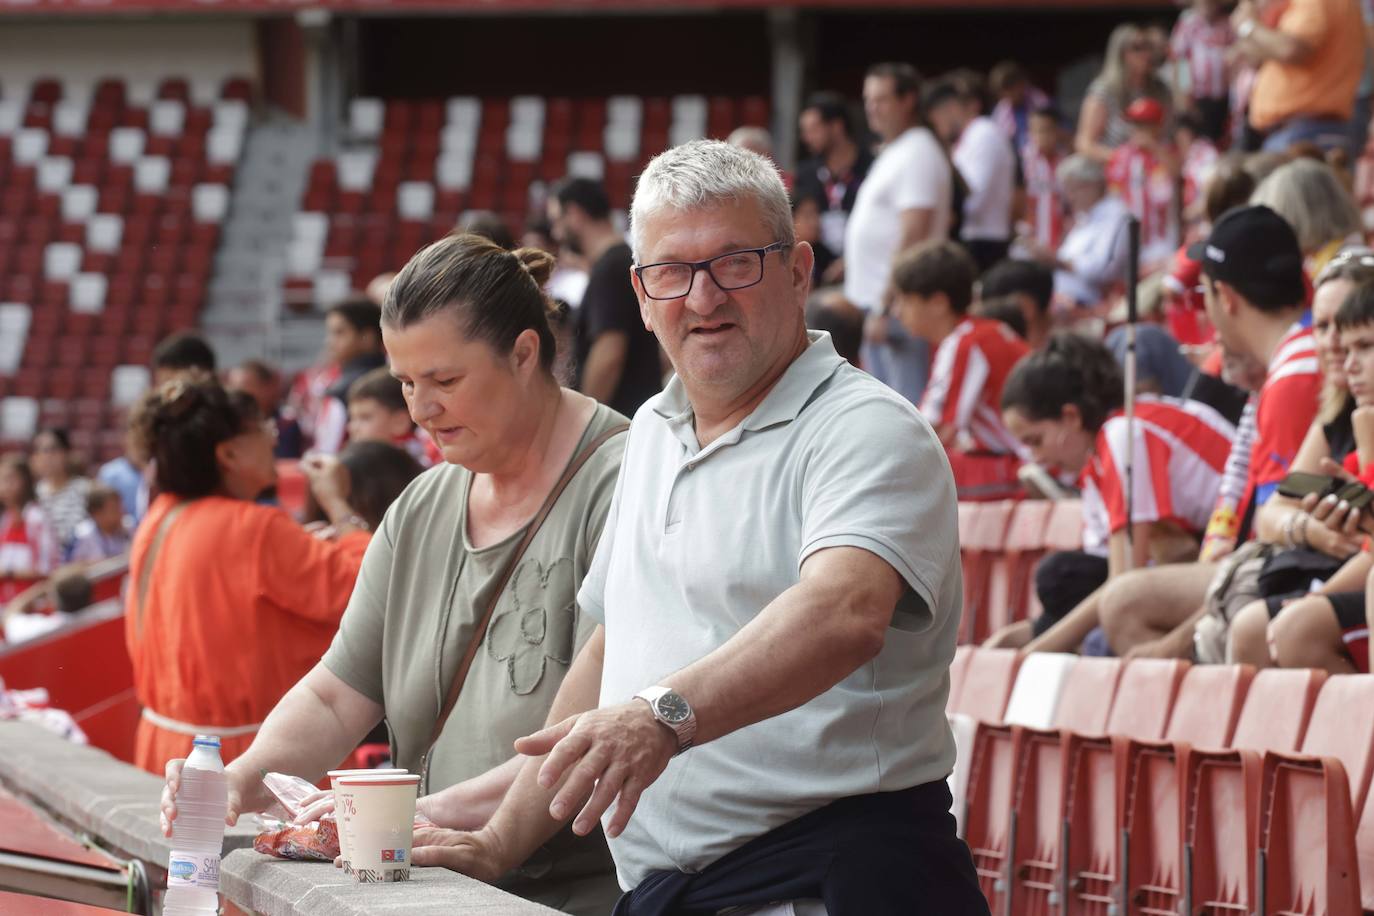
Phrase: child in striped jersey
x=1148 y=483
x=933 y=283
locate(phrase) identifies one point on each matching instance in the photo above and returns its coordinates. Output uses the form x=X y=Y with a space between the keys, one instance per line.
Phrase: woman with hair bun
x=230 y=602
x=464 y=621
x=1064 y=403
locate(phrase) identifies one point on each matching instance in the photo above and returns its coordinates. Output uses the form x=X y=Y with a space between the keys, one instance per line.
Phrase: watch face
x=673 y=708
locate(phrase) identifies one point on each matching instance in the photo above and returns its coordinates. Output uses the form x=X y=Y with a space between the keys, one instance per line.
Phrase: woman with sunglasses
x=1127 y=74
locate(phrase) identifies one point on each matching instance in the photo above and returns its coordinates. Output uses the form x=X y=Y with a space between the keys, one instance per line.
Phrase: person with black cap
x=1256 y=299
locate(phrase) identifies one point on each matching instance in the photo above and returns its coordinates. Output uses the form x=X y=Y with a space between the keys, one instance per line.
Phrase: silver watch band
x=685 y=731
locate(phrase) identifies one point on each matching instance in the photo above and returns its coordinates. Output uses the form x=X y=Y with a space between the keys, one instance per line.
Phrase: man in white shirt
x=1092 y=258
x=986 y=161
x=906 y=199
x=779 y=606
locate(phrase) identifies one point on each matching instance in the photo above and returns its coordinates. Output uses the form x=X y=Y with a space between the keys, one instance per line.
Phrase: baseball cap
x=1145 y=110
x=1254 y=250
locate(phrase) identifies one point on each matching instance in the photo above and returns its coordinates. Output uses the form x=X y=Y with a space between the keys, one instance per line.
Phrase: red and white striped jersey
x=1202 y=45
x=965 y=387
x=1179 y=448
x=1147 y=187
x=1284 y=410
x=1044 y=205
x=1198 y=164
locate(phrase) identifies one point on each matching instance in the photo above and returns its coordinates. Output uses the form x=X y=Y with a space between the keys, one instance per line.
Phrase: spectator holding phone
x=1330 y=630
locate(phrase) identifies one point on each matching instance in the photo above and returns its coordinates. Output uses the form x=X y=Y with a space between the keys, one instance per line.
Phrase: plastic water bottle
x=198 y=833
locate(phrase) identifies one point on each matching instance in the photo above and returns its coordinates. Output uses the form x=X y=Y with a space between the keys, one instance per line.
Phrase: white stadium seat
x=30 y=145
x=126 y=145
x=365 y=118
x=18 y=419
x=224 y=144
x=79 y=202
x=151 y=174
x=355 y=169
x=54 y=174
x=587 y=165
x=69 y=118
x=210 y=203
x=105 y=232
x=167 y=118
x=127 y=384
x=87 y=294
x=61 y=260
x=415 y=200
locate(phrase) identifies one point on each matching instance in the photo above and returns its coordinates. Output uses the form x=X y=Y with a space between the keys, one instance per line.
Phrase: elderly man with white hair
x=760 y=720
x=1092 y=257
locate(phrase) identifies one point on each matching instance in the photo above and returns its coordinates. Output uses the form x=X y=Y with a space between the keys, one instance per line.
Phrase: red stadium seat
x=988 y=680
x=1010 y=578
x=1007 y=765
x=958 y=670
x=1308 y=803
x=1205 y=714
x=982 y=535
x=1093 y=792
x=1221 y=791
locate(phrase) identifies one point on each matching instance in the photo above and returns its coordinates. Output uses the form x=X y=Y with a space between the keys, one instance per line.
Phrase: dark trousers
x=987 y=252
x=886 y=854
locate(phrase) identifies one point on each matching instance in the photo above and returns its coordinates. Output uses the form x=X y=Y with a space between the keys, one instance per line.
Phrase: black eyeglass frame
x=698 y=266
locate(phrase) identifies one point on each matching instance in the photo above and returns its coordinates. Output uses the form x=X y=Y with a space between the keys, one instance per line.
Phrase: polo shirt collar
x=790 y=394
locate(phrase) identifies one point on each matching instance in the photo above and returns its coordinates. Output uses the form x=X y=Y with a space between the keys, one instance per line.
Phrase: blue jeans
x=901 y=362
x=1327 y=133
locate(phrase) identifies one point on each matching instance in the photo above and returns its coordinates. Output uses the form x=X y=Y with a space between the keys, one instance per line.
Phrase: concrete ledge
x=261 y=884
x=113 y=802
x=117 y=805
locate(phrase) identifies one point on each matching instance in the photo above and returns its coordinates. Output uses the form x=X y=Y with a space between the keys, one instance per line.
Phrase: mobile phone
x=1356 y=494
x=1298 y=484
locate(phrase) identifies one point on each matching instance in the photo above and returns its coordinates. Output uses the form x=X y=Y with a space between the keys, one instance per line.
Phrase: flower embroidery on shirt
x=537 y=624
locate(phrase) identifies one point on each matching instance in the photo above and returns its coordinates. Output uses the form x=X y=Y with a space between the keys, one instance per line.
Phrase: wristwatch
x=673 y=710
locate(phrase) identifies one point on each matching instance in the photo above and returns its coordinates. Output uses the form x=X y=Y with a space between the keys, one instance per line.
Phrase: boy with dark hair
x=353 y=344
x=181 y=354
x=105 y=533
x=1031 y=284
x=973 y=356
x=377 y=412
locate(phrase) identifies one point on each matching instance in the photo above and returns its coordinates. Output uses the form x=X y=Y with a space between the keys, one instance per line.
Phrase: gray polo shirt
x=698 y=541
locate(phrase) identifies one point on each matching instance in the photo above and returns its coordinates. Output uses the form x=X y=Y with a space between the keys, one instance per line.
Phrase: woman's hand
x=239 y=788
x=1335 y=528
x=328 y=478
x=477 y=854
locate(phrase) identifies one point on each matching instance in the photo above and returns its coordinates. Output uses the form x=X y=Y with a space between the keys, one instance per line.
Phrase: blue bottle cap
x=207 y=741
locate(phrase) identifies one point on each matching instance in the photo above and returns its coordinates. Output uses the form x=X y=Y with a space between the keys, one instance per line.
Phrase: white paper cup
x=379 y=822
x=339 y=811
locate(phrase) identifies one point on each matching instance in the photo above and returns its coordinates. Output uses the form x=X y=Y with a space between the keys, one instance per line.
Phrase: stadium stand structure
x=109 y=218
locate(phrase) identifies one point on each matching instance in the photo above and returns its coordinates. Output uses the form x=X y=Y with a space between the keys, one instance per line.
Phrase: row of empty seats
x=1097 y=786
x=1000 y=545
x=415 y=167
x=112 y=198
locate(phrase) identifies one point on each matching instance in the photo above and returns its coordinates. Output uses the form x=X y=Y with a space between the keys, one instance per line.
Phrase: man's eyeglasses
x=730 y=271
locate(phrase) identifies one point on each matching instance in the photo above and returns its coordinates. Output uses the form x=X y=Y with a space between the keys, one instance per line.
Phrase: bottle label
x=188 y=869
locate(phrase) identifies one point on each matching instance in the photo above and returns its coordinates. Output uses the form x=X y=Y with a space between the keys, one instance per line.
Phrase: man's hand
x=605 y=753
x=478 y=854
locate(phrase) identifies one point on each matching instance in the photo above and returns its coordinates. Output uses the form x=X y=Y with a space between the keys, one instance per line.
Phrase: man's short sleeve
x=1286 y=408
x=355 y=656
x=609 y=303
x=893 y=496
x=920 y=182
